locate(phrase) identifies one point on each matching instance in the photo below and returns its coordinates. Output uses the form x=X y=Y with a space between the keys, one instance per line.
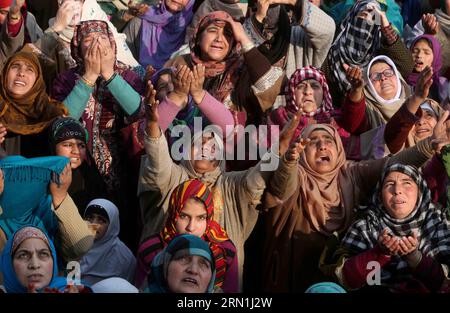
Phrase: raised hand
x=408 y=244
x=108 y=60
x=388 y=243
x=355 y=78
x=440 y=137
x=59 y=192
x=198 y=78
x=424 y=83
x=151 y=112
x=181 y=85
x=64 y=15
x=239 y=33
x=430 y=24
x=92 y=62
x=296 y=148
x=288 y=132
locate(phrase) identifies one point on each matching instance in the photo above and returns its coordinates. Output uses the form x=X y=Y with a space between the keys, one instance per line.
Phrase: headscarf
x=325 y=287
x=323 y=114
x=5 y=3
x=321 y=193
x=65 y=128
x=82 y=30
x=378 y=109
x=432 y=106
x=11 y=283
x=429 y=223
x=109 y=256
x=180 y=246
x=30 y=113
x=208 y=6
x=356 y=44
x=213 y=235
x=219 y=75
x=25 y=199
x=162 y=33
x=437 y=61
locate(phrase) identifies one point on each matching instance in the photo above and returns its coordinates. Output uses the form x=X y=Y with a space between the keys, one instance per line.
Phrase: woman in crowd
x=108 y=257
x=191 y=211
x=154 y=36
x=186 y=265
x=318 y=188
x=25 y=108
x=105 y=94
x=29 y=264
x=403 y=231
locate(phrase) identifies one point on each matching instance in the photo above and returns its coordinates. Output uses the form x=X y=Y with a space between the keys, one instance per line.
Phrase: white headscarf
x=108 y=257
x=380 y=99
x=92 y=11
x=114 y=285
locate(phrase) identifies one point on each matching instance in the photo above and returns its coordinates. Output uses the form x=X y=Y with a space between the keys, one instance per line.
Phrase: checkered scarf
x=297 y=77
x=356 y=44
x=428 y=221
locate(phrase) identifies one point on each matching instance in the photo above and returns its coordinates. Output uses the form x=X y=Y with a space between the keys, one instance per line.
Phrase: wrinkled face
x=101 y=223
x=399 y=194
x=422 y=55
x=33 y=263
x=189 y=274
x=215 y=43
x=192 y=219
x=424 y=127
x=386 y=87
x=203 y=160
x=91 y=38
x=309 y=95
x=175 y=6
x=3 y=15
x=321 y=152
x=74 y=149
x=20 y=78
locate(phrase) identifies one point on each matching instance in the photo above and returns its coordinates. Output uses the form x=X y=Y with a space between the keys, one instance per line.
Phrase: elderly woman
x=191 y=211
x=426 y=51
x=105 y=94
x=318 y=188
x=154 y=36
x=25 y=108
x=28 y=264
x=403 y=231
x=217 y=82
x=186 y=265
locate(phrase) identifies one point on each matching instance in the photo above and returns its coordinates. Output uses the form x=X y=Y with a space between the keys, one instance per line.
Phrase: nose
x=321 y=145
x=308 y=90
x=193 y=267
x=75 y=150
x=397 y=189
x=420 y=122
x=34 y=262
x=190 y=226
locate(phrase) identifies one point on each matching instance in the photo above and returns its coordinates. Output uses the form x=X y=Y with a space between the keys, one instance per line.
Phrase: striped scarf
x=428 y=221
x=358 y=41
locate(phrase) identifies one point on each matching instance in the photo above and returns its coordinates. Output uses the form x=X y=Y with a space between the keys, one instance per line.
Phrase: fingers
x=443 y=118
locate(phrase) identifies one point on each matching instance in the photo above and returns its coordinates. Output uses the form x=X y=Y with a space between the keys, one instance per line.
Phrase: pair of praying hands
x=393 y=245
x=186 y=81
x=99 y=60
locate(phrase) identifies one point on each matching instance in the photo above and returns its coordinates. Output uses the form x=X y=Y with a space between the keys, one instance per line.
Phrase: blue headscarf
x=11 y=283
x=179 y=246
x=25 y=199
x=325 y=287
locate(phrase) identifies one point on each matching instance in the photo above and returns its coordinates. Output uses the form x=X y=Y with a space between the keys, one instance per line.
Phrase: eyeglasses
x=377 y=75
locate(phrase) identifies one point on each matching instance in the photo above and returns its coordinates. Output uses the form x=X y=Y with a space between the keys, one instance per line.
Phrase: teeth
x=19 y=83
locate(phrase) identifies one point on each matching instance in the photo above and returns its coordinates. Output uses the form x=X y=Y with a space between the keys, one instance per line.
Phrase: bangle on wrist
x=247 y=47
x=88 y=82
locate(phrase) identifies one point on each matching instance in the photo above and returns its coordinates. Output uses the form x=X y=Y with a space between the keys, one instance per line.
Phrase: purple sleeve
x=231 y=279
x=217 y=113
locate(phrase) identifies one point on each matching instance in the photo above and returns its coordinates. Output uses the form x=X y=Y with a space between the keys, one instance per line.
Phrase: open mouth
x=419 y=64
x=190 y=281
x=19 y=83
x=422 y=131
x=323 y=159
x=215 y=47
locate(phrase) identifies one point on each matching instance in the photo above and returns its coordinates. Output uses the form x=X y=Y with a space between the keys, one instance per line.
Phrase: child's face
x=101 y=222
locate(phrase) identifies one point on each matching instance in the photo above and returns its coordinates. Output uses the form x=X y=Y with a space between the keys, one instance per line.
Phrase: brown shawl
x=32 y=112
